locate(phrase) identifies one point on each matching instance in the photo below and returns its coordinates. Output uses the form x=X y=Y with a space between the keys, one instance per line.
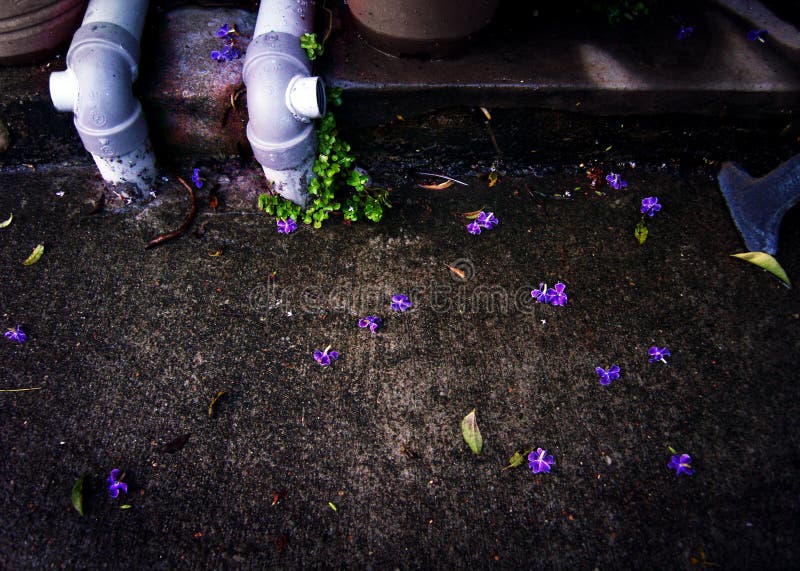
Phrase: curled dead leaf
x=460 y=273
x=440 y=186
x=35 y=255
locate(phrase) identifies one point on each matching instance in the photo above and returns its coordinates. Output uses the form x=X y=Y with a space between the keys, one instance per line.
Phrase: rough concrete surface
x=129 y=346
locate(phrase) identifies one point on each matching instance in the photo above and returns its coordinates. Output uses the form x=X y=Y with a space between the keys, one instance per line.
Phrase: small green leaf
x=35 y=255
x=671 y=449
x=471 y=433
x=765 y=262
x=640 y=232
x=125 y=507
x=333 y=506
x=76 y=496
x=6 y=223
x=517 y=459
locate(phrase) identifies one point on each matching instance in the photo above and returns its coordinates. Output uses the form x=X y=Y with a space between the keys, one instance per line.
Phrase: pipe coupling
x=102 y=63
x=282 y=98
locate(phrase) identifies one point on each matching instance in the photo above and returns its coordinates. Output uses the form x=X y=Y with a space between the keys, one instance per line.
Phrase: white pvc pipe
x=283 y=97
x=127 y=14
x=102 y=63
x=295 y=17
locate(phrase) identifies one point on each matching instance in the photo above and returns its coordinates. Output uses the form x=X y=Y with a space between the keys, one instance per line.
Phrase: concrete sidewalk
x=128 y=347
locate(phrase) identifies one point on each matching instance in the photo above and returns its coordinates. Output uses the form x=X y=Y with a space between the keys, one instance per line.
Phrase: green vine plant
x=339 y=186
x=313 y=48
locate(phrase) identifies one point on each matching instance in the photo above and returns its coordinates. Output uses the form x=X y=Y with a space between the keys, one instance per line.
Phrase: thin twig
x=20 y=390
x=330 y=22
x=444 y=177
x=183 y=227
x=492 y=138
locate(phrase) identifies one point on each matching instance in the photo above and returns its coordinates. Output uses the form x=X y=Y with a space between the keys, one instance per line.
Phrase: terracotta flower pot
x=30 y=29
x=421 y=28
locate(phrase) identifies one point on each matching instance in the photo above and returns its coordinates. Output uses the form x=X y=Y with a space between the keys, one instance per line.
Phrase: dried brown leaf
x=440 y=186
x=460 y=273
x=175 y=445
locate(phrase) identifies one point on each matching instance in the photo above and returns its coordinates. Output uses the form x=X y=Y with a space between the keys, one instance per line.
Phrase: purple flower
x=232 y=52
x=682 y=464
x=115 y=486
x=227 y=53
x=198 y=182
x=326 y=357
x=16 y=334
x=615 y=181
x=657 y=354
x=371 y=321
x=223 y=31
x=650 y=206
x=756 y=35
x=400 y=302
x=556 y=295
x=287 y=226
x=684 y=32
x=606 y=377
x=484 y=221
x=487 y=220
x=541 y=294
x=540 y=461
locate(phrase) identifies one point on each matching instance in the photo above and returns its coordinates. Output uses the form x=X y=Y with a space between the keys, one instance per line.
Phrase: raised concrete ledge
x=555 y=65
x=577 y=68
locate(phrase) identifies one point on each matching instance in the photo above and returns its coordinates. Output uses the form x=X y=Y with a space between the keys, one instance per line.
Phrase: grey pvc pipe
x=102 y=63
x=283 y=97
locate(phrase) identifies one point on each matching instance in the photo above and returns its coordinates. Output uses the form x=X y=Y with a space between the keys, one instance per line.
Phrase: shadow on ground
x=129 y=347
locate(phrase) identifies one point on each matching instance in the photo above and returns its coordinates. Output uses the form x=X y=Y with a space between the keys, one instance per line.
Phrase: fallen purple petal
x=400 y=302
x=556 y=295
x=16 y=334
x=114 y=485
x=650 y=206
x=682 y=464
x=198 y=182
x=606 y=376
x=540 y=461
x=287 y=226
x=657 y=354
x=371 y=321
x=684 y=32
x=474 y=228
x=325 y=357
x=540 y=293
x=615 y=181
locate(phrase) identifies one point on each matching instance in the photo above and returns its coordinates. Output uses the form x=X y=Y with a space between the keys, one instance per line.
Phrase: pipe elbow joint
x=102 y=63
x=282 y=99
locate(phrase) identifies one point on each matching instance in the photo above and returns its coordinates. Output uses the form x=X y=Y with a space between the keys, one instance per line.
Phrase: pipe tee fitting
x=282 y=99
x=102 y=63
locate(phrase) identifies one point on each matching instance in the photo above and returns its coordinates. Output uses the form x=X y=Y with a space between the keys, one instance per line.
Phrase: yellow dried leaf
x=766 y=262
x=440 y=186
x=456 y=271
x=35 y=255
x=472 y=215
